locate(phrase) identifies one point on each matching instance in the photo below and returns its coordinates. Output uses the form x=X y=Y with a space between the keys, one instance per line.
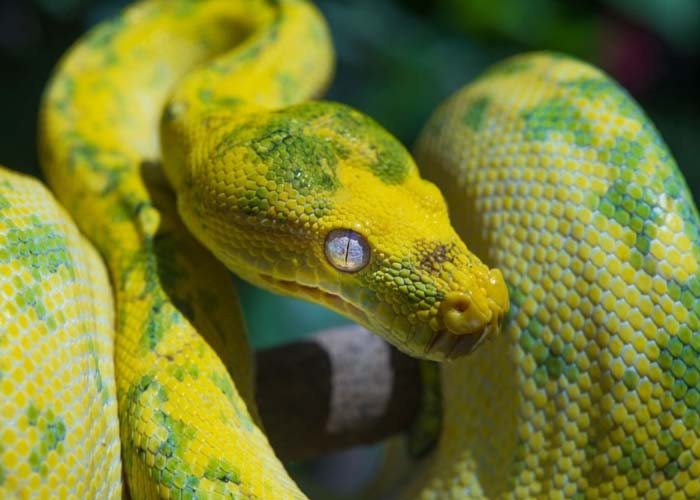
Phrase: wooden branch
x=338 y=389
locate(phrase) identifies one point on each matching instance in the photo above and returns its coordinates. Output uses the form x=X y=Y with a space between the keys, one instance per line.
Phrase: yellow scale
x=552 y=174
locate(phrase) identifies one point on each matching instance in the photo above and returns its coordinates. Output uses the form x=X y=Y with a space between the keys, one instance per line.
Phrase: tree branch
x=338 y=389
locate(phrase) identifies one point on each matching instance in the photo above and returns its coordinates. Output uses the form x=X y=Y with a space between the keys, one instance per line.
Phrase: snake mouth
x=444 y=345
x=319 y=296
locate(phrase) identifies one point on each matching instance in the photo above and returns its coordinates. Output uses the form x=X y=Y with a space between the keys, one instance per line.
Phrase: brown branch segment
x=340 y=388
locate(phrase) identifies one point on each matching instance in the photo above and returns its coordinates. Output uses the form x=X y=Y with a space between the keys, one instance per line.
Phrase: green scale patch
x=639 y=208
x=475 y=113
x=154 y=261
x=43 y=250
x=40 y=247
x=175 y=472
x=553 y=360
x=634 y=207
x=112 y=166
x=608 y=92
x=208 y=98
x=223 y=382
x=386 y=157
x=290 y=157
x=301 y=147
x=160 y=319
x=407 y=276
x=52 y=433
x=221 y=470
x=556 y=115
x=305 y=162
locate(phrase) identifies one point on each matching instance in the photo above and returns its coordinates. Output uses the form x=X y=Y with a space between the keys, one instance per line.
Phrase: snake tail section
x=594 y=389
x=188 y=423
x=59 y=433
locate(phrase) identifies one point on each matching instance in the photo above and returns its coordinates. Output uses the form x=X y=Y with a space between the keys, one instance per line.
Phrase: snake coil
x=552 y=173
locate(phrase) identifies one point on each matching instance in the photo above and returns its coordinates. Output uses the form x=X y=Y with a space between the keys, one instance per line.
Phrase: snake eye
x=347 y=250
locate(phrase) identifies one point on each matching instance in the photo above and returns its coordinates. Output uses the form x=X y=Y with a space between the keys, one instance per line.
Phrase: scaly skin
x=568 y=189
x=59 y=433
x=235 y=143
x=237 y=193
x=187 y=424
x=560 y=180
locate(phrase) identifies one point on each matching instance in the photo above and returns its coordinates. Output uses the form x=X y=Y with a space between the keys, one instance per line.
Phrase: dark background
x=397 y=59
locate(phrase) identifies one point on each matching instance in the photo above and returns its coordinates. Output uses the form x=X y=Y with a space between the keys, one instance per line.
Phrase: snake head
x=319 y=202
x=425 y=293
x=410 y=277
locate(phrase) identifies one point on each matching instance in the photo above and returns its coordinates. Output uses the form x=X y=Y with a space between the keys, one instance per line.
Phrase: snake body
x=558 y=178
x=554 y=175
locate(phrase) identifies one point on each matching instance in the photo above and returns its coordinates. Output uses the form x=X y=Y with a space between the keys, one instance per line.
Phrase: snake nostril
x=461 y=305
x=460 y=315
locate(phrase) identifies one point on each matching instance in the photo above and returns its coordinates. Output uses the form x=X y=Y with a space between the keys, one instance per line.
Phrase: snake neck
x=100 y=115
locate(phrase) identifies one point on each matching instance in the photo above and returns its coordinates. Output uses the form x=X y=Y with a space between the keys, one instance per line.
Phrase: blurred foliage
x=397 y=59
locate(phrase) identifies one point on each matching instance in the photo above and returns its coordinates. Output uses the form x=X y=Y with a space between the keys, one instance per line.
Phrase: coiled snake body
x=552 y=174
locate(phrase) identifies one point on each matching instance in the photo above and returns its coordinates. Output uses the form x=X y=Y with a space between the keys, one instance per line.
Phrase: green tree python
x=552 y=174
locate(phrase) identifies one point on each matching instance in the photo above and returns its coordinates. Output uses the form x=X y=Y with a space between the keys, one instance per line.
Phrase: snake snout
x=472 y=318
x=463 y=315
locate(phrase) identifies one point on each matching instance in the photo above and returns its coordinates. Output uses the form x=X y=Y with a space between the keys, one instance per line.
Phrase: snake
x=183 y=138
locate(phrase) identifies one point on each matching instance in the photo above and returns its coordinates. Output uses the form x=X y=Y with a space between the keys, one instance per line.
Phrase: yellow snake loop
x=551 y=172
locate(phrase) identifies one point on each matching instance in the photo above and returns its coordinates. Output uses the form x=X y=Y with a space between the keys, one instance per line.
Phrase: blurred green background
x=397 y=59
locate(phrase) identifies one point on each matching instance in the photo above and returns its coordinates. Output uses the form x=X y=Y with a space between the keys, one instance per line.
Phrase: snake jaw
x=443 y=344
x=316 y=295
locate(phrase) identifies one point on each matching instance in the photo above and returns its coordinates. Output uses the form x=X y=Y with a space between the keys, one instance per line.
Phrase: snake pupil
x=347 y=250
